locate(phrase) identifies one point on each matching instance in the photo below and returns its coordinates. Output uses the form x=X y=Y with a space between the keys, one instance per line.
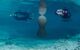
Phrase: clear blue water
x=22 y=34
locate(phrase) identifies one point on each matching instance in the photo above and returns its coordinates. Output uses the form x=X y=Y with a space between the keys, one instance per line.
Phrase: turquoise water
x=21 y=35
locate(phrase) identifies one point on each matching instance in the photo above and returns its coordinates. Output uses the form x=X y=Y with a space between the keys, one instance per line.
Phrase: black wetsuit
x=66 y=15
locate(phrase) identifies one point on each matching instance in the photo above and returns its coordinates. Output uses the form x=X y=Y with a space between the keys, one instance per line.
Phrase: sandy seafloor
x=39 y=44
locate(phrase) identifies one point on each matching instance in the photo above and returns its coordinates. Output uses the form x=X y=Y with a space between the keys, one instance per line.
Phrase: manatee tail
x=42 y=32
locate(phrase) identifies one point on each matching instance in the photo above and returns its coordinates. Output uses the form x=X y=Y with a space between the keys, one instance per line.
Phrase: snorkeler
x=23 y=16
x=64 y=13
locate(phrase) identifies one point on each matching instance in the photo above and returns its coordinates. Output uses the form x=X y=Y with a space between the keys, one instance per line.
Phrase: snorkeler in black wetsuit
x=64 y=13
x=21 y=16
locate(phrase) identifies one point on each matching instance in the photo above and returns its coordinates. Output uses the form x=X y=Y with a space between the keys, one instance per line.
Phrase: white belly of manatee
x=42 y=20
